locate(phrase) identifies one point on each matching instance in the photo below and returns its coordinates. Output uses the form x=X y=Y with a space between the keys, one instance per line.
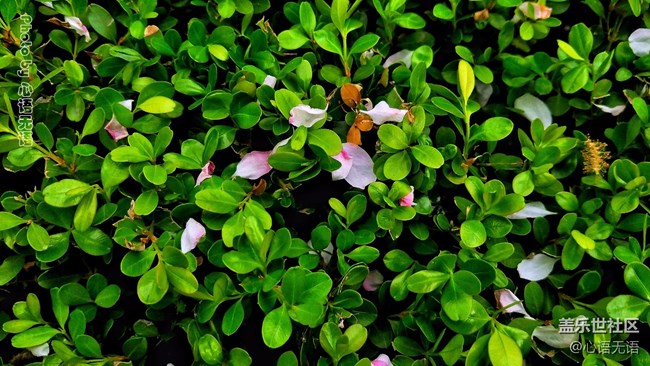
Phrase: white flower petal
x=536 y=268
x=552 y=336
x=40 y=351
x=270 y=81
x=326 y=253
x=194 y=231
x=206 y=172
x=505 y=297
x=76 y=24
x=304 y=115
x=403 y=56
x=381 y=360
x=614 y=111
x=384 y=113
x=253 y=165
x=531 y=211
x=484 y=92
x=361 y=174
x=640 y=42
x=533 y=107
x=127 y=103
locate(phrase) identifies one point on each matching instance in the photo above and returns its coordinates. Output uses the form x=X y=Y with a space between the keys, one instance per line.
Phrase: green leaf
x=33 y=337
x=575 y=79
x=327 y=140
x=146 y=202
x=494 y=129
x=472 y=233
x=65 y=193
x=364 y=43
x=583 y=240
x=338 y=13
x=581 y=40
x=626 y=201
x=88 y=346
x=410 y=21
x=465 y=80
x=135 y=264
x=240 y=262
x=216 y=105
x=210 y=350
x=85 y=213
x=428 y=156
x=102 y=22
x=398 y=166
x=10 y=268
x=503 y=351
x=627 y=306
x=158 y=104
x=38 y=237
x=108 y=296
x=182 y=279
x=569 y=50
x=307 y=18
x=426 y=281
x=155 y=174
x=153 y=285
x=287 y=161
x=328 y=41
x=233 y=318
x=74 y=294
x=286 y=100
x=73 y=72
x=393 y=137
x=637 y=279
x=9 y=220
x=292 y=39
x=216 y=200
x=276 y=327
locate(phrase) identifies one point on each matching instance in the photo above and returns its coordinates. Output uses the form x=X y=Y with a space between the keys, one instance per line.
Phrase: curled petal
x=76 y=24
x=531 y=211
x=194 y=231
x=346 y=164
x=403 y=56
x=40 y=351
x=270 y=81
x=382 y=360
x=116 y=130
x=206 y=172
x=408 y=199
x=535 y=11
x=537 y=268
x=384 y=113
x=280 y=144
x=253 y=165
x=304 y=115
x=505 y=297
x=373 y=280
x=128 y=104
x=614 y=111
x=532 y=108
x=359 y=166
x=640 y=42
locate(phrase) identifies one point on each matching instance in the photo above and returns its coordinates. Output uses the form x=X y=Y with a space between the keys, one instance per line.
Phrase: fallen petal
x=403 y=56
x=531 y=211
x=384 y=113
x=533 y=108
x=373 y=280
x=116 y=130
x=382 y=360
x=270 y=81
x=361 y=174
x=536 y=268
x=640 y=42
x=40 y=351
x=253 y=165
x=505 y=297
x=194 y=231
x=206 y=172
x=76 y=24
x=614 y=111
x=304 y=115
x=408 y=199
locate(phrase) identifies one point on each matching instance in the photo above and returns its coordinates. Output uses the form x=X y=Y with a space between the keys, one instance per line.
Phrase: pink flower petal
x=408 y=199
x=194 y=231
x=384 y=113
x=346 y=164
x=116 y=130
x=373 y=280
x=361 y=174
x=206 y=173
x=505 y=297
x=304 y=115
x=382 y=360
x=76 y=24
x=254 y=165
